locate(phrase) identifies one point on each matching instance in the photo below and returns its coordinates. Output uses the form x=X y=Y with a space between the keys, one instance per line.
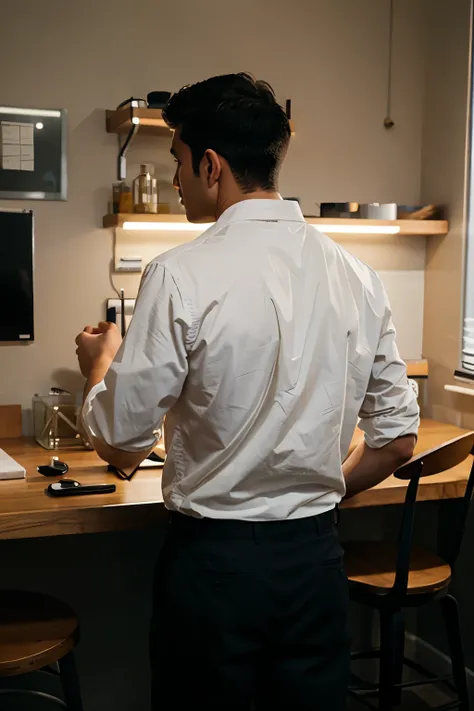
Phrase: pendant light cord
x=388 y=121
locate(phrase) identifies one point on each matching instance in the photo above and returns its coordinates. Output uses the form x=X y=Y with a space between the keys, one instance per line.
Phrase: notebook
x=9 y=469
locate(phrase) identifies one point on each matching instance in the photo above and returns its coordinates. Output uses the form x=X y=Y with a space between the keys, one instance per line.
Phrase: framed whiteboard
x=33 y=162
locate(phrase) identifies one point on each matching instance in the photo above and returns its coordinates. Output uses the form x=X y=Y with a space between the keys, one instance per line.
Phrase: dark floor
x=410 y=703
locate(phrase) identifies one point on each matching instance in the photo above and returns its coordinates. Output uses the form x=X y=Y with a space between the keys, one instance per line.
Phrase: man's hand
x=97 y=347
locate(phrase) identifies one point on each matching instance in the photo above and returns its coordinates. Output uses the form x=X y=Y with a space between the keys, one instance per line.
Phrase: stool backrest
x=433 y=461
x=438 y=459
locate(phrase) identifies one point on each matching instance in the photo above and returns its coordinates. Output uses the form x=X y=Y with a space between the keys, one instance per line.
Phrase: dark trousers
x=250 y=616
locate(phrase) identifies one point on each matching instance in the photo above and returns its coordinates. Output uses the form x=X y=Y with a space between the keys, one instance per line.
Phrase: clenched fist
x=97 y=347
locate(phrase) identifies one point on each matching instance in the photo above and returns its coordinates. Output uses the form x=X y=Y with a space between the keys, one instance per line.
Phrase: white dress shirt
x=262 y=341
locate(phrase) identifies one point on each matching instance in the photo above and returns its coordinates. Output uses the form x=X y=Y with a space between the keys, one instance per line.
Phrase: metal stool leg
x=70 y=683
x=387 y=672
x=449 y=606
x=399 y=652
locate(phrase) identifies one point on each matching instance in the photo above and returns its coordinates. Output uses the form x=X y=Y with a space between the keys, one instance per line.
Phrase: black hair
x=237 y=117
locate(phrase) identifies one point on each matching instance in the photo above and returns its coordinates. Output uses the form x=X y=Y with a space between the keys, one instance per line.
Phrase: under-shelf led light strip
x=329 y=228
x=359 y=229
x=30 y=112
x=166 y=226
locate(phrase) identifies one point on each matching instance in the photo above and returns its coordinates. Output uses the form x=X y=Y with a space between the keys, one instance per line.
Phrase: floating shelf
x=417 y=368
x=419 y=228
x=149 y=121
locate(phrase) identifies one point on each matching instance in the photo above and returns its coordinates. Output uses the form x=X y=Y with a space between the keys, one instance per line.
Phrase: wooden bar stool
x=389 y=578
x=38 y=632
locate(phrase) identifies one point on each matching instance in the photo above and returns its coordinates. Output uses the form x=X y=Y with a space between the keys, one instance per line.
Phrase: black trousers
x=250 y=616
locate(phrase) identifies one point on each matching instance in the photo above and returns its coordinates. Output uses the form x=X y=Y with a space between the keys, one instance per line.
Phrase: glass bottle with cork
x=145 y=191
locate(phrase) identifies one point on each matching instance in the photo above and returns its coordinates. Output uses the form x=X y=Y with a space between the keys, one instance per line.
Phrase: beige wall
x=443 y=181
x=329 y=56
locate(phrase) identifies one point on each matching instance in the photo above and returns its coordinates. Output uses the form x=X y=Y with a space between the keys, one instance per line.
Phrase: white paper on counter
x=9 y=468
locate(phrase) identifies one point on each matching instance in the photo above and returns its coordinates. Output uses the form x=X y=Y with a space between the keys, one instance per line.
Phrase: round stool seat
x=372 y=566
x=35 y=630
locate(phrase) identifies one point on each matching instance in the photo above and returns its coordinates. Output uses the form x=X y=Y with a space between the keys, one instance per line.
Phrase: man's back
x=284 y=327
x=261 y=342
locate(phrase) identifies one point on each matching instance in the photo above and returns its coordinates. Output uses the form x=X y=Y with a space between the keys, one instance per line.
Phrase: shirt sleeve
x=127 y=408
x=390 y=409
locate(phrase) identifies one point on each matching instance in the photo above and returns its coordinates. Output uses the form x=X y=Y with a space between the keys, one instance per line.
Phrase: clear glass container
x=145 y=191
x=54 y=419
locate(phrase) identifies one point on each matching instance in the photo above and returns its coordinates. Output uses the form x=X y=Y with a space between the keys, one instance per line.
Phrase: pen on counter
x=122 y=312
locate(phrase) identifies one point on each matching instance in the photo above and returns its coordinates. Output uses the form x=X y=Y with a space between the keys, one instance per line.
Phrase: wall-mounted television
x=16 y=276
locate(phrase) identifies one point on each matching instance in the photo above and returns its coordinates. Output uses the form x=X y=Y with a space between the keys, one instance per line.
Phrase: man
x=262 y=341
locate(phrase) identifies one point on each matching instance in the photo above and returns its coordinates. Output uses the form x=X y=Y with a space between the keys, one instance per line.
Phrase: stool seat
x=35 y=631
x=372 y=565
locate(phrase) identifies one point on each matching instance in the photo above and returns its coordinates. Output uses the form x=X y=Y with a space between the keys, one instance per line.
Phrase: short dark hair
x=240 y=119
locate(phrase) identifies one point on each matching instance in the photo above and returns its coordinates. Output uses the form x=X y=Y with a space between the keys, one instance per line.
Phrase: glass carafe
x=145 y=191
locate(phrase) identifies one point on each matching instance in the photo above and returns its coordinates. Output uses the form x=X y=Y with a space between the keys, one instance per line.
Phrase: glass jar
x=145 y=191
x=55 y=420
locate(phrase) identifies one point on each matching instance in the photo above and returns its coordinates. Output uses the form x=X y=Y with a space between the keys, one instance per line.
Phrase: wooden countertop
x=26 y=512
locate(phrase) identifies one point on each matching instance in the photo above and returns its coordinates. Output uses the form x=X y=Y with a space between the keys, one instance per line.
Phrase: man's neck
x=240 y=197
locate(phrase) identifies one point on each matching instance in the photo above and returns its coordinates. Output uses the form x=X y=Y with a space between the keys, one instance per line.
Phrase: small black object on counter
x=54 y=468
x=70 y=487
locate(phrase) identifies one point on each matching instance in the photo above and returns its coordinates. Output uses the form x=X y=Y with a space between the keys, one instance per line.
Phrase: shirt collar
x=287 y=210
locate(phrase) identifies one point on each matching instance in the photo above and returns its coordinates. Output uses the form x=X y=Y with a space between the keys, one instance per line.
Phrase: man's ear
x=211 y=167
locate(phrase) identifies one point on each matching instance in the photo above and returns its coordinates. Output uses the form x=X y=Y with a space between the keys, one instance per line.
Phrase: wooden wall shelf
x=419 y=228
x=120 y=219
x=417 y=368
x=150 y=121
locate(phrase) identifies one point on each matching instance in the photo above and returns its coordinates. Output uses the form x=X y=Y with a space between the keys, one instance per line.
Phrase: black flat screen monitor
x=16 y=276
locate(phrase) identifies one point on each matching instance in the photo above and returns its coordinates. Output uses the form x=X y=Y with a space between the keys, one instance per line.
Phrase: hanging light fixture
x=388 y=122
